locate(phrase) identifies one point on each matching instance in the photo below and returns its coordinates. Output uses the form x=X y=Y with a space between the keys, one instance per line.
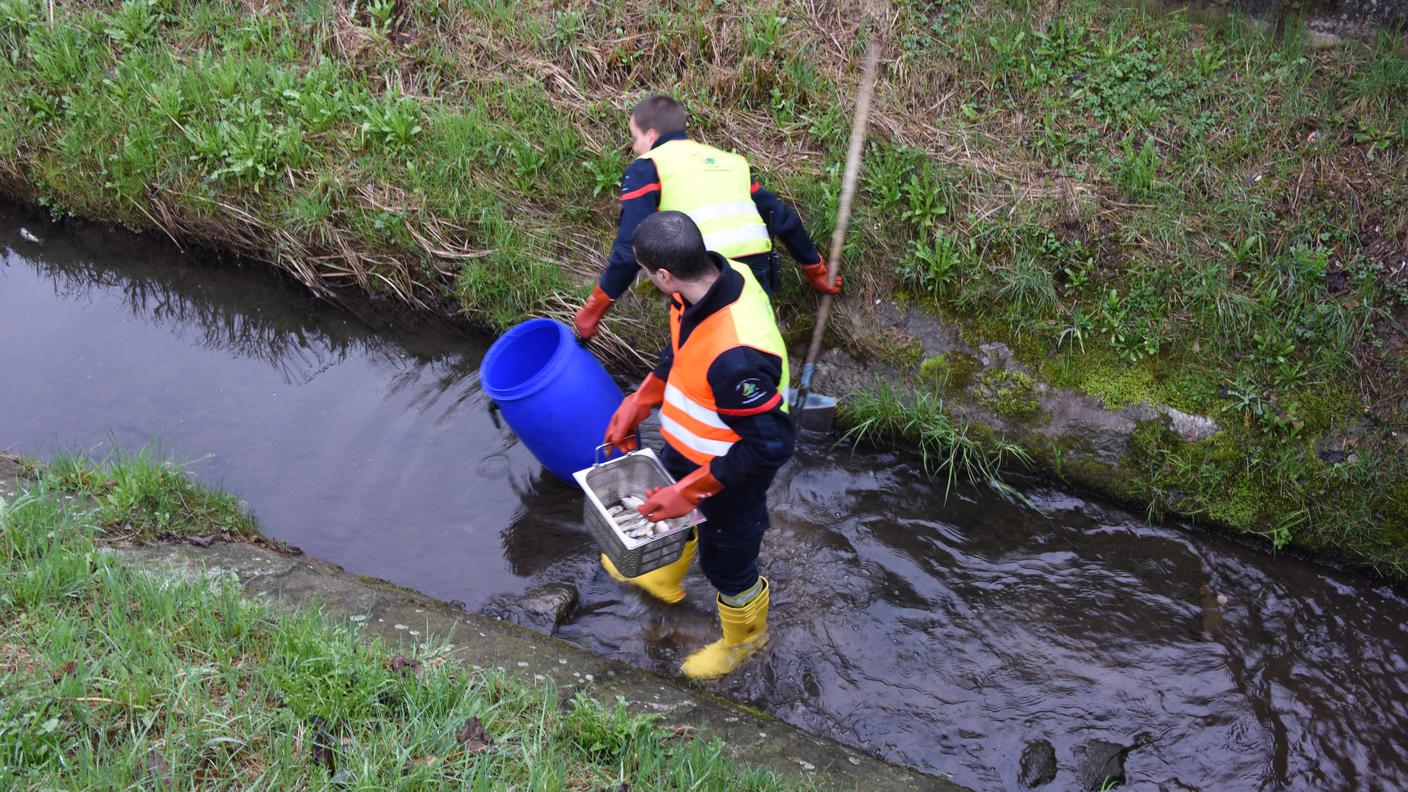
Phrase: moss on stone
x=906 y=354
x=1236 y=506
x=951 y=371
x=1320 y=410
x=1008 y=393
x=886 y=345
x=1119 y=387
x=984 y=434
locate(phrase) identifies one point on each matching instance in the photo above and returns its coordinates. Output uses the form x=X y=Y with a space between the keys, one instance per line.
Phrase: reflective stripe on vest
x=689 y=418
x=691 y=444
x=714 y=188
x=694 y=409
x=744 y=238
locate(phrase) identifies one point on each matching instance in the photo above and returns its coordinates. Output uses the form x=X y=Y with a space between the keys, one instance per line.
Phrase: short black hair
x=660 y=113
x=671 y=241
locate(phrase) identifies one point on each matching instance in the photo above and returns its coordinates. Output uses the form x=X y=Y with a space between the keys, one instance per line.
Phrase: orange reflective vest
x=689 y=416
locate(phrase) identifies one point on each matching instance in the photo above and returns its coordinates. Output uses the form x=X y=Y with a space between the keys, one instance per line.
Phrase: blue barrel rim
x=544 y=375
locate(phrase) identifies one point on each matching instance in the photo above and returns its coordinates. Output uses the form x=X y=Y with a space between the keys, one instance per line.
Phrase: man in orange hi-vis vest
x=720 y=386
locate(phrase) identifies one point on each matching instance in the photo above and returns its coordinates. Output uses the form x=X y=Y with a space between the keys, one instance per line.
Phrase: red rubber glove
x=680 y=498
x=816 y=276
x=588 y=317
x=634 y=409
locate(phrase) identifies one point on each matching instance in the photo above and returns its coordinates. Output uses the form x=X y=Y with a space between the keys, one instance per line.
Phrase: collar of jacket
x=663 y=139
x=727 y=288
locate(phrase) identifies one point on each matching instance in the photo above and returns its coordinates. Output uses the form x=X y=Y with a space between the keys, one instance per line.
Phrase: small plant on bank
x=1137 y=170
x=948 y=448
x=391 y=124
x=935 y=266
x=135 y=23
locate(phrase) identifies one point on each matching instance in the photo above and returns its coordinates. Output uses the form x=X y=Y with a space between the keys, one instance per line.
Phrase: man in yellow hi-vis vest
x=719 y=386
x=715 y=188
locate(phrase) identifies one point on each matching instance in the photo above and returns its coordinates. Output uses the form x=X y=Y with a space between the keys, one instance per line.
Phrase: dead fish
x=28 y=237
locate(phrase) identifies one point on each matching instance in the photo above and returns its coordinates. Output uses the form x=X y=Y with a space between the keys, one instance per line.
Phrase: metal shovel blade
x=817 y=415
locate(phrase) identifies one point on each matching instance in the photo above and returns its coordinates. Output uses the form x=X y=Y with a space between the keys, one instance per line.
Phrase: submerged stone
x=1038 y=764
x=542 y=608
x=1100 y=764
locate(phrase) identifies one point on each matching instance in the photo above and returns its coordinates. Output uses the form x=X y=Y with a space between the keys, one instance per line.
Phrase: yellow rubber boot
x=664 y=583
x=745 y=632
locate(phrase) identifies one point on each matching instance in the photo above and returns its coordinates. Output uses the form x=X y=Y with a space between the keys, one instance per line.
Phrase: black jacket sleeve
x=667 y=361
x=786 y=224
x=745 y=385
x=640 y=196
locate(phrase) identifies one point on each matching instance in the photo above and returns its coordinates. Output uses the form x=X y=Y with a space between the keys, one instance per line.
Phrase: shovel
x=813 y=411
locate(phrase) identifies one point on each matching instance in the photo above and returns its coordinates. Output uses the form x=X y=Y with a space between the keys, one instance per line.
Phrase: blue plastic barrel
x=553 y=392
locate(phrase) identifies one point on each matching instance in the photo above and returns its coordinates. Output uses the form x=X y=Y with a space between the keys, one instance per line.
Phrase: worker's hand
x=680 y=498
x=816 y=276
x=634 y=409
x=588 y=317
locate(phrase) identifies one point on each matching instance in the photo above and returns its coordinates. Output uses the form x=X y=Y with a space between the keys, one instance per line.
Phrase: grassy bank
x=114 y=678
x=143 y=496
x=1144 y=206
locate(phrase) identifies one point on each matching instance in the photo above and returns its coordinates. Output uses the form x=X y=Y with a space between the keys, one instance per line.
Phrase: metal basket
x=609 y=481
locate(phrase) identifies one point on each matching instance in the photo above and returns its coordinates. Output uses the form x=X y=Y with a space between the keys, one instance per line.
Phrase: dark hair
x=660 y=113
x=671 y=241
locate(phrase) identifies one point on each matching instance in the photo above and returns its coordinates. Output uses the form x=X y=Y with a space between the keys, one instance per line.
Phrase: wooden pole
x=843 y=216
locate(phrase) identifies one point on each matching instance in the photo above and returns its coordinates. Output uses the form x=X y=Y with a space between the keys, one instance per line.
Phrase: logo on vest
x=751 y=391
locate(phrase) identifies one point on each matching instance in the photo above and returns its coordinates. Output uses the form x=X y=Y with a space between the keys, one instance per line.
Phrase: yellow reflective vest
x=714 y=188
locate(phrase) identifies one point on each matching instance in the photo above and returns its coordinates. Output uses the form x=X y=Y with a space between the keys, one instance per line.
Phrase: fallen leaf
x=320 y=744
x=158 y=768
x=1336 y=280
x=474 y=737
x=422 y=761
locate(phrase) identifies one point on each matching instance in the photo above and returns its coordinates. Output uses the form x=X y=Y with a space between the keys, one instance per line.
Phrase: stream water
x=942 y=633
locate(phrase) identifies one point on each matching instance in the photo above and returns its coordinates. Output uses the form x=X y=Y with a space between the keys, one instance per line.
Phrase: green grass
x=955 y=450
x=116 y=678
x=1103 y=187
x=144 y=496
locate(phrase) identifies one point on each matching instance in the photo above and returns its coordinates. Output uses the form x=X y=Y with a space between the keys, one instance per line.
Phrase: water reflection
x=359 y=437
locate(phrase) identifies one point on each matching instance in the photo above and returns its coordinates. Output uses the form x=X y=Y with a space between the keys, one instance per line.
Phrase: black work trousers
x=767 y=268
x=731 y=536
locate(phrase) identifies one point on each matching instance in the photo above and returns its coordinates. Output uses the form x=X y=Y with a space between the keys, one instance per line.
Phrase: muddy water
x=945 y=635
